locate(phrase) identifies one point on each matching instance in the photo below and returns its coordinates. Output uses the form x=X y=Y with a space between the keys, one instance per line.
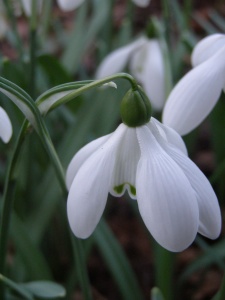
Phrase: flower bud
x=135 y=108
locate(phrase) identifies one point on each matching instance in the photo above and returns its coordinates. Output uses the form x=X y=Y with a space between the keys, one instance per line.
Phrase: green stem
x=33 y=33
x=92 y=85
x=7 y=202
x=12 y=19
x=164 y=261
x=81 y=268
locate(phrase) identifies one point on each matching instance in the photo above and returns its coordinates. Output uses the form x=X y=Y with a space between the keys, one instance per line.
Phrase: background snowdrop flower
x=5 y=126
x=150 y=161
x=27 y=6
x=145 y=59
x=68 y=5
x=195 y=95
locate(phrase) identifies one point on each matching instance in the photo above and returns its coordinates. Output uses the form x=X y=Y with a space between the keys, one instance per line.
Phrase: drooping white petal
x=165 y=197
x=127 y=157
x=117 y=60
x=170 y=135
x=68 y=5
x=80 y=157
x=206 y=48
x=5 y=126
x=147 y=66
x=89 y=190
x=142 y=3
x=209 y=211
x=195 y=95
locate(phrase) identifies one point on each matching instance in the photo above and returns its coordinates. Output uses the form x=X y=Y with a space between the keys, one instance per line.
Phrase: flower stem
x=33 y=33
x=7 y=202
x=95 y=84
x=12 y=19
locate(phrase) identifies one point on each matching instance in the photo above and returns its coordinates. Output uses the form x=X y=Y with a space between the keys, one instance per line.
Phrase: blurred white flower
x=195 y=95
x=5 y=126
x=174 y=198
x=3 y=22
x=27 y=6
x=145 y=59
x=68 y=5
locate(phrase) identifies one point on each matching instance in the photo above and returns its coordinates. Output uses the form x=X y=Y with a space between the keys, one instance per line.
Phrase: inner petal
x=124 y=172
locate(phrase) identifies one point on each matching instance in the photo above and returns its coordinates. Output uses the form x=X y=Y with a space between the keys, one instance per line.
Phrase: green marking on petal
x=119 y=188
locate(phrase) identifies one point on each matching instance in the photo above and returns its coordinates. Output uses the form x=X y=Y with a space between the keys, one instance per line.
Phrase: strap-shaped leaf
x=55 y=96
x=20 y=98
x=117 y=262
x=16 y=287
x=45 y=289
x=156 y=294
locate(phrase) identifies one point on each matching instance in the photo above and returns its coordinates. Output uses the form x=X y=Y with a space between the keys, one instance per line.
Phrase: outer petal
x=68 y=5
x=166 y=199
x=209 y=211
x=206 y=48
x=170 y=135
x=127 y=157
x=81 y=156
x=117 y=60
x=89 y=190
x=148 y=66
x=195 y=95
x=5 y=126
x=142 y=3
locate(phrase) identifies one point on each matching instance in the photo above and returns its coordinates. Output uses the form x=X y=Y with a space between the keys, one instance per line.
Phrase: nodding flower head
x=150 y=162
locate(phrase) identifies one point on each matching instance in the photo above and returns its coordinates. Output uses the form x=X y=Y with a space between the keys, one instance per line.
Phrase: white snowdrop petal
x=68 y=5
x=80 y=157
x=209 y=211
x=117 y=60
x=153 y=79
x=142 y=3
x=195 y=95
x=89 y=190
x=165 y=197
x=137 y=61
x=170 y=135
x=124 y=172
x=206 y=48
x=5 y=126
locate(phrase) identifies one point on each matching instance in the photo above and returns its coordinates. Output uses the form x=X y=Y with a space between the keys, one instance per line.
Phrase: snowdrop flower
x=5 y=126
x=195 y=95
x=67 y=5
x=149 y=160
x=146 y=64
x=27 y=6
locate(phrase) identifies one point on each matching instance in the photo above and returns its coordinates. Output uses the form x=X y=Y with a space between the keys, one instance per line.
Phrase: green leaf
x=54 y=72
x=23 y=101
x=16 y=287
x=84 y=33
x=156 y=294
x=28 y=251
x=117 y=262
x=45 y=289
